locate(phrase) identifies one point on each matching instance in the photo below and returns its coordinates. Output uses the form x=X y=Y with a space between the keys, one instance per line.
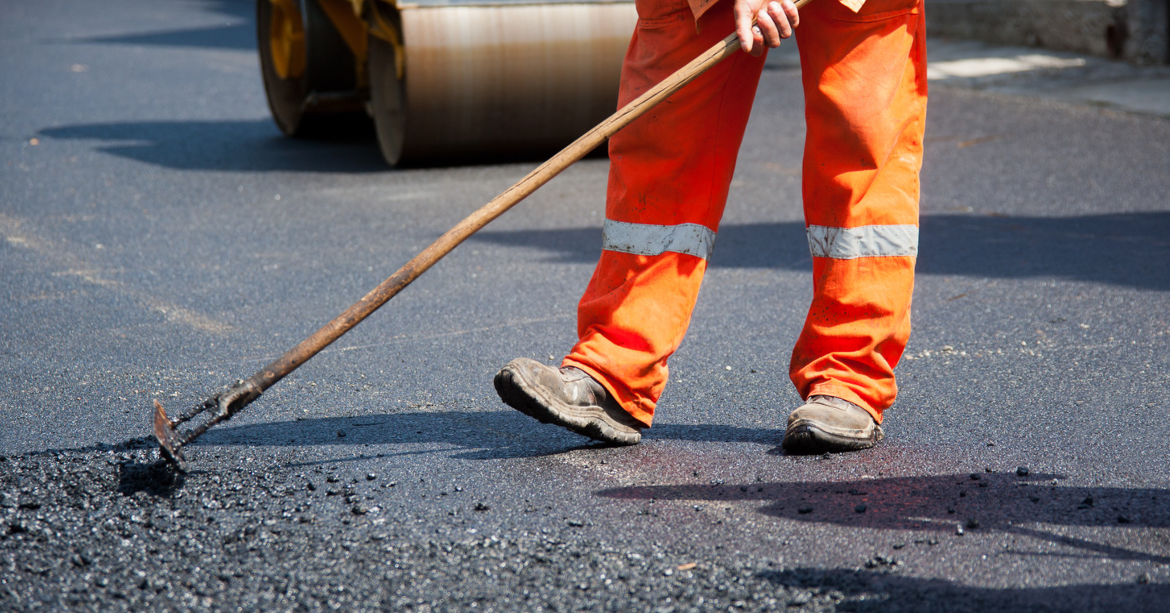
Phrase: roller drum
x=500 y=79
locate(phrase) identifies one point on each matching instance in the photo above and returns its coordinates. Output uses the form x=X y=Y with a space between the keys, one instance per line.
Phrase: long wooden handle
x=245 y=391
x=369 y=303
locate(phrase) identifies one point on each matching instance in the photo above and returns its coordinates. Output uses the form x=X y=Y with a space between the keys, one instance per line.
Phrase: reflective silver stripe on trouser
x=649 y=239
x=863 y=242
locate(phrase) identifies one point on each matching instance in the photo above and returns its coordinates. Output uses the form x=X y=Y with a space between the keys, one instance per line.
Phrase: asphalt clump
x=112 y=528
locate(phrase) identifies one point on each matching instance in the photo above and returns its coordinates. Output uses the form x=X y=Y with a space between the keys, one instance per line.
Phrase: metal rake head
x=226 y=404
x=168 y=440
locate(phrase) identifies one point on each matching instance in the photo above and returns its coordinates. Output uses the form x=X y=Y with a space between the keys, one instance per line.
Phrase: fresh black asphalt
x=160 y=239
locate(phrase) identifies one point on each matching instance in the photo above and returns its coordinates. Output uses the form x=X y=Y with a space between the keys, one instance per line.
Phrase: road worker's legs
x=865 y=102
x=864 y=78
x=669 y=176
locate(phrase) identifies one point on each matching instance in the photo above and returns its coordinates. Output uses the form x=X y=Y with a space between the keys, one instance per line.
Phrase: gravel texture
x=158 y=238
x=111 y=528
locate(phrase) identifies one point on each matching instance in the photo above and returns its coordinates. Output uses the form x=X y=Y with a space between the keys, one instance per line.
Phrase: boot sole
x=532 y=401
x=806 y=438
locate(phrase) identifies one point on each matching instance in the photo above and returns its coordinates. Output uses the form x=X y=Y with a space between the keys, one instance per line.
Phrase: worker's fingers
x=784 y=15
x=774 y=21
x=758 y=41
x=791 y=11
x=749 y=37
x=769 y=29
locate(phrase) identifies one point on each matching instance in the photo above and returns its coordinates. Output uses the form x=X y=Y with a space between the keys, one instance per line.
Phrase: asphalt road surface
x=161 y=239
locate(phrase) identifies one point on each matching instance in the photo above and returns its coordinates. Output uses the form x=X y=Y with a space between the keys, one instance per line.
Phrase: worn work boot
x=826 y=423
x=568 y=398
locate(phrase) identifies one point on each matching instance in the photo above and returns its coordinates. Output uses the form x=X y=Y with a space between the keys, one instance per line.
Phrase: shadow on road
x=479 y=436
x=472 y=435
x=154 y=478
x=876 y=591
x=238 y=35
x=253 y=145
x=937 y=504
x=1126 y=249
x=341 y=144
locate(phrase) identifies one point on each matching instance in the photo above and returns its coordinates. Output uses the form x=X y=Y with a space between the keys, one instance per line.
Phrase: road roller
x=445 y=79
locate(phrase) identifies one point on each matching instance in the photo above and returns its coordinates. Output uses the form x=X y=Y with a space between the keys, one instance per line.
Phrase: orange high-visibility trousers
x=864 y=76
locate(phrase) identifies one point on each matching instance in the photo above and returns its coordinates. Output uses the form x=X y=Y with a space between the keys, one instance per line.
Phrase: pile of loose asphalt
x=114 y=528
